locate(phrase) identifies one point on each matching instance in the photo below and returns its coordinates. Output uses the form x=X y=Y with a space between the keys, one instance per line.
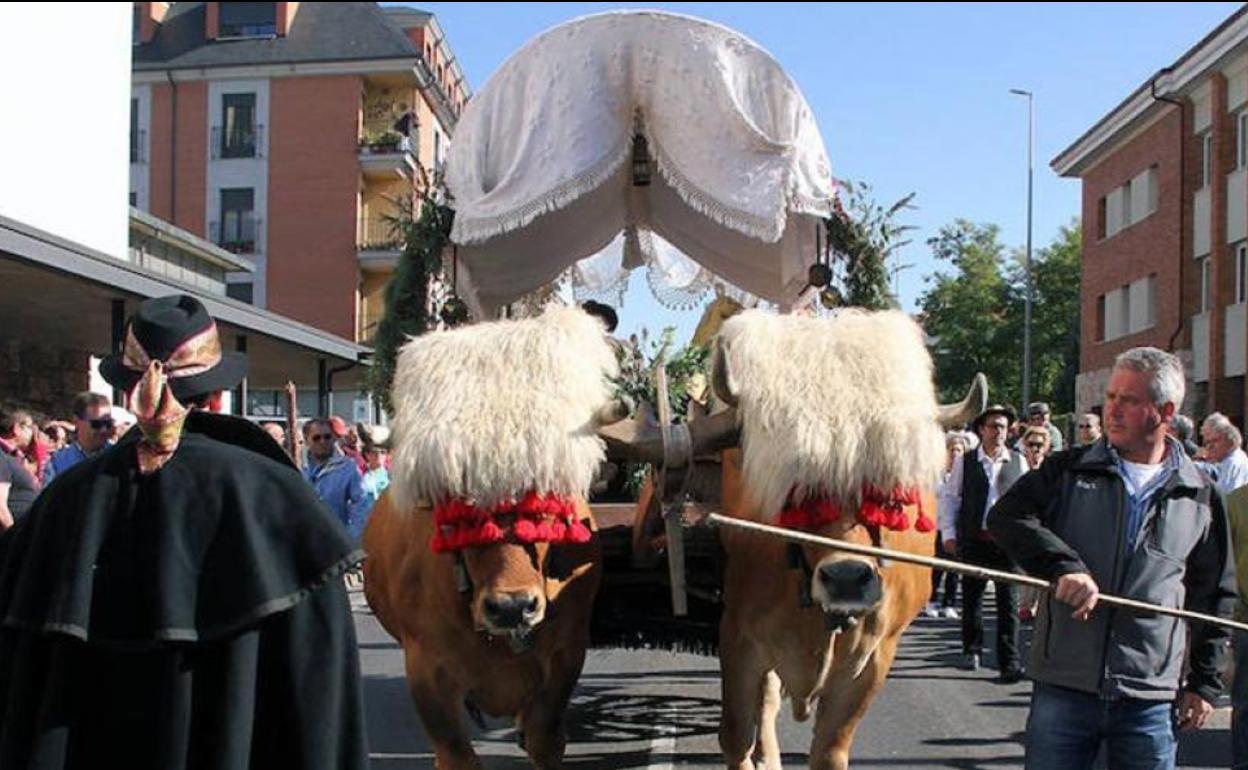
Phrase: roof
x=320 y=32
x=1140 y=106
x=141 y=221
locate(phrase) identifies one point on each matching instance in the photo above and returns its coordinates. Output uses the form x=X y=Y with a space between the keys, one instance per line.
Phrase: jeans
x=1239 y=703
x=1066 y=727
x=987 y=554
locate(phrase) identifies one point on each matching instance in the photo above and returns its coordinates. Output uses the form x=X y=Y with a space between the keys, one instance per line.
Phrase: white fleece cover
x=828 y=404
x=490 y=411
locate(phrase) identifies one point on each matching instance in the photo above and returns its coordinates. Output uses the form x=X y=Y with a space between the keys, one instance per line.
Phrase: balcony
x=237 y=234
x=241 y=142
x=386 y=157
x=379 y=244
x=138 y=146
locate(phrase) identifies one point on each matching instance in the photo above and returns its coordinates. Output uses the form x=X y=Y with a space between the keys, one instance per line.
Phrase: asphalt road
x=655 y=709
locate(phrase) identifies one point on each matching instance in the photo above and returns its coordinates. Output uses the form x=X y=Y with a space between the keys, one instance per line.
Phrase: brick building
x=1165 y=213
x=272 y=130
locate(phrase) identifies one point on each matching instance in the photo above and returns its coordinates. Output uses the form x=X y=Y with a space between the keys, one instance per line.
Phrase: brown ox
x=817 y=624
x=513 y=645
x=491 y=599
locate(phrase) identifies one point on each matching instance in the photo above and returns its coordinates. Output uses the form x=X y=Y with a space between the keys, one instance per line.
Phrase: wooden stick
x=959 y=567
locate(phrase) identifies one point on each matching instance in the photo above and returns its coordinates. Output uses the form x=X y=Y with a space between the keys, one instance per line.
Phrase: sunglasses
x=1031 y=445
x=320 y=437
x=101 y=423
x=1085 y=426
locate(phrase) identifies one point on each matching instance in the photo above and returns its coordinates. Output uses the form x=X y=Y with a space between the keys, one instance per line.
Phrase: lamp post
x=1031 y=125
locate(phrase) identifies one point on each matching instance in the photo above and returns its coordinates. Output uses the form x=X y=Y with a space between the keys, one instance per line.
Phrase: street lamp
x=1031 y=125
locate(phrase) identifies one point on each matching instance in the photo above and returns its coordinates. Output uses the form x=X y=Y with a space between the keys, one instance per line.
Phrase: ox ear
x=959 y=414
x=721 y=377
x=613 y=411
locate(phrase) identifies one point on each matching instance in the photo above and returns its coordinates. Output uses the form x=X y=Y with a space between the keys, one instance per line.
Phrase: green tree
x=975 y=314
x=969 y=313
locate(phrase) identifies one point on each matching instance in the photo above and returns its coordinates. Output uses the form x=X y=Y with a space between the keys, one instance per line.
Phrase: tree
x=975 y=315
x=866 y=235
x=968 y=313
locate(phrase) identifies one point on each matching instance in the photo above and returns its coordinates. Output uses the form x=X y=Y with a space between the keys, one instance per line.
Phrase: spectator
x=123 y=421
x=1035 y=443
x=18 y=485
x=93 y=431
x=1183 y=429
x=974 y=485
x=1088 y=429
x=1132 y=516
x=1223 y=456
x=172 y=602
x=375 y=481
x=337 y=480
x=276 y=431
x=955 y=448
x=1038 y=417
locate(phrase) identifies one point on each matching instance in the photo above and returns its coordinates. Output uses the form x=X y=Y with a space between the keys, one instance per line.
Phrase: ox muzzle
x=846 y=589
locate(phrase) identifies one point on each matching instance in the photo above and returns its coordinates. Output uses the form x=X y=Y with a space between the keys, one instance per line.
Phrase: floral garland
x=878 y=509
x=533 y=518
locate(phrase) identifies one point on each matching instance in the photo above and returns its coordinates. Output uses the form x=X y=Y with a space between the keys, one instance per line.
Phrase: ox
x=480 y=559
x=840 y=436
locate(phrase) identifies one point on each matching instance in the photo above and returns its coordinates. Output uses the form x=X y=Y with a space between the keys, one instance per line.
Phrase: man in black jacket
x=176 y=601
x=1131 y=515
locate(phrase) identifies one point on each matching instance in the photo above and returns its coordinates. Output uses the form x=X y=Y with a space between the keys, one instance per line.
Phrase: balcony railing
x=138 y=146
x=241 y=142
x=379 y=234
x=237 y=234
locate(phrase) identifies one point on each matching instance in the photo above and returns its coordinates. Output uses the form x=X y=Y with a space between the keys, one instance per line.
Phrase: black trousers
x=985 y=553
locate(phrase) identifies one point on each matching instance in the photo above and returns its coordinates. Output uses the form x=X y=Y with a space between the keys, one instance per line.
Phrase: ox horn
x=721 y=378
x=613 y=411
x=641 y=440
x=959 y=414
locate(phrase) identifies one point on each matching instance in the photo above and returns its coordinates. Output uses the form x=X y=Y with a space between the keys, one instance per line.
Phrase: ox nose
x=849 y=585
x=511 y=611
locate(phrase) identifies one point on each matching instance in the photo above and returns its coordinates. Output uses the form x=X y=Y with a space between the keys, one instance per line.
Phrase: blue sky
x=915 y=97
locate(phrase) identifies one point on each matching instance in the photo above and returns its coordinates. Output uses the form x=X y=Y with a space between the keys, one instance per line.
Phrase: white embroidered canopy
x=541 y=168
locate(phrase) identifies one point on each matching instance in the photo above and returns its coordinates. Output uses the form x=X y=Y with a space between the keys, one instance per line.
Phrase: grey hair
x=1219 y=423
x=1166 y=382
x=1183 y=427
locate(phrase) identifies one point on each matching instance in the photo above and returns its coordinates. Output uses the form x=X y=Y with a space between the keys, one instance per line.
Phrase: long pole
x=957 y=566
x=1031 y=126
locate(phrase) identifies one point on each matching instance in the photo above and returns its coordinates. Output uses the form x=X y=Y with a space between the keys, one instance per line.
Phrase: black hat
x=178 y=332
x=1006 y=411
x=1036 y=408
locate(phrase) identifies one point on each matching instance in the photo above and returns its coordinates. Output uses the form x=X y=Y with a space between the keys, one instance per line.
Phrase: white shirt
x=951 y=496
x=1232 y=472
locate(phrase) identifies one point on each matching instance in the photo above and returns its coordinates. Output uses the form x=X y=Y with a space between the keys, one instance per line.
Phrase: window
x=1241 y=140
x=1101 y=220
x=237 y=230
x=1206 y=297
x=247 y=19
x=1241 y=267
x=243 y=292
x=1126 y=205
x=1206 y=159
x=136 y=26
x=134 y=131
x=1100 y=318
x=134 y=199
x=238 y=129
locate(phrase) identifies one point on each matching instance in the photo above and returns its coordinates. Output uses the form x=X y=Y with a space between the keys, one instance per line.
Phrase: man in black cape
x=177 y=600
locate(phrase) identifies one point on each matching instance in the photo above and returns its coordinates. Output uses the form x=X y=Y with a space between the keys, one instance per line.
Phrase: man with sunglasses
x=335 y=476
x=1088 y=429
x=93 y=429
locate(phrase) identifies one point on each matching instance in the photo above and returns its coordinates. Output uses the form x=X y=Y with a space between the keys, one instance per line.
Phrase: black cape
x=191 y=618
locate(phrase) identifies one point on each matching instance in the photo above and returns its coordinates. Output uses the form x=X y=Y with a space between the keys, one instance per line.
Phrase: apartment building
x=1165 y=213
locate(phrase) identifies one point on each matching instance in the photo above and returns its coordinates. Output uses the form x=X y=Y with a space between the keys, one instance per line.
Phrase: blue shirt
x=339 y=484
x=65 y=458
x=1139 y=498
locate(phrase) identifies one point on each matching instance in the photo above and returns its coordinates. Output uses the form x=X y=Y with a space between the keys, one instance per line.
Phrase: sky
x=914 y=97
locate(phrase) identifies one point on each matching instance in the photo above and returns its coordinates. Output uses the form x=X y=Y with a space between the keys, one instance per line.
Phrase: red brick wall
x=192 y=154
x=1149 y=246
x=314 y=178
